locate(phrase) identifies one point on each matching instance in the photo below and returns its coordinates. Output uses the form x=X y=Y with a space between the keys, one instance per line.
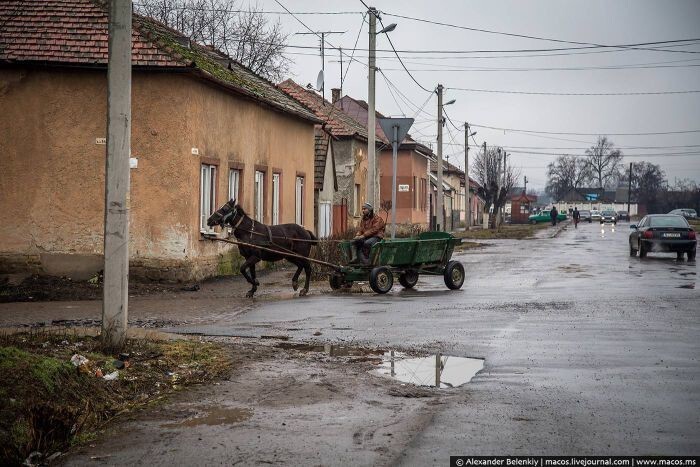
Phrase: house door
x=324 y=219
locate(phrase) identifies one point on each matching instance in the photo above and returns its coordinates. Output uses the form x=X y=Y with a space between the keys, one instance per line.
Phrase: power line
x=537 y=93
x=525 y=36
x=401 y=61
x=518 y=130
x=353 y=50
x=268 y=12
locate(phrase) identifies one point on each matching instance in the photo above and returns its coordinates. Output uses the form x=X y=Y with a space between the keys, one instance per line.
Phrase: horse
x=285 y=238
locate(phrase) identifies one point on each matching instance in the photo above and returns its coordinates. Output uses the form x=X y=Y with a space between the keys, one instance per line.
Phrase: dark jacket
x=371 y=227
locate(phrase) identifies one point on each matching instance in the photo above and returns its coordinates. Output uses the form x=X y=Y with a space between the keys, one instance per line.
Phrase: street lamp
x=439 y=220
x=372 y=179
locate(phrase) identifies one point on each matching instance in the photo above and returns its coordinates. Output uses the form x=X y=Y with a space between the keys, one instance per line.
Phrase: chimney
x=336 y=95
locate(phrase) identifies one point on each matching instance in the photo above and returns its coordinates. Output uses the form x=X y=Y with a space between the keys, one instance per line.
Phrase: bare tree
x=604 y=162
x=566 y=173
x=245 y=35
x=488 y=171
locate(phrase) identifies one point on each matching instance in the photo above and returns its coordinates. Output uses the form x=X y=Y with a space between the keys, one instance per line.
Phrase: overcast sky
x=595 y=22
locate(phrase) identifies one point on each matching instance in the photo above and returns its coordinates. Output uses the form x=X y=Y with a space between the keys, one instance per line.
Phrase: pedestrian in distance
x=577 y=216
x=554 y=213
x=371 y=231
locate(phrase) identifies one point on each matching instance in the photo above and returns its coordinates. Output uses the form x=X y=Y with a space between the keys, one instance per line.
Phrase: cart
x=428 y=253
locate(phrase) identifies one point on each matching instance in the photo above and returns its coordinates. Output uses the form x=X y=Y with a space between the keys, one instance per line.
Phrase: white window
x=259 y=195
x=299 y=219
x=207 y=196
x=234 y=183
x=275 y=199
x=324 y=219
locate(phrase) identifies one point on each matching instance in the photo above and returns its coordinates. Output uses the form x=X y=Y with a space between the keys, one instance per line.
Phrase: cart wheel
x=336 y=281
x=381 y=279
x=454 y=275
x=408 y=278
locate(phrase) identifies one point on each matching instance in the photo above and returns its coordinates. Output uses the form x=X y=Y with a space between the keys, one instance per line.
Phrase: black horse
x=285 y=238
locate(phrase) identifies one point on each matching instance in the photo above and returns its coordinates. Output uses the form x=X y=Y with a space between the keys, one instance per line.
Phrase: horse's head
x=225 y=214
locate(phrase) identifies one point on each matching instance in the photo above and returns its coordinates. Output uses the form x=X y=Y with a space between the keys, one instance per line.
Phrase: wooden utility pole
x=439 y=220
x=468 y=210
x=115 y=312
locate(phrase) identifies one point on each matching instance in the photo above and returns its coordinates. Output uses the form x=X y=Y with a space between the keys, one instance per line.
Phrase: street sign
x=395 y=130
x=403 y=188
x=402 y=124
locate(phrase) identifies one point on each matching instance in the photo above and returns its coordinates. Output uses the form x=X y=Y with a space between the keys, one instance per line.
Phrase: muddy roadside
x=307 y=405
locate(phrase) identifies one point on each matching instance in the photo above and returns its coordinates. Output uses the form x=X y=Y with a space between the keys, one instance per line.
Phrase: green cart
x=429 y=253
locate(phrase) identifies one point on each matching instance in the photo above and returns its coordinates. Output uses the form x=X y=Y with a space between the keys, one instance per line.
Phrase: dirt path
x=279 y=406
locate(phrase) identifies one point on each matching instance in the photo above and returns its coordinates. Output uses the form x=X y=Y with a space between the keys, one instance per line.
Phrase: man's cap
x=368 y=206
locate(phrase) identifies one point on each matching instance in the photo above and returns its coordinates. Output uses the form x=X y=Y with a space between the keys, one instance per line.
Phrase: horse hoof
x=295 y=285
x=250 y=294
x=257 y=283
x=303 y=292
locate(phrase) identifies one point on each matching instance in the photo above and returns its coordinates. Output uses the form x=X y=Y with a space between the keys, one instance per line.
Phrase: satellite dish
x=319 y=81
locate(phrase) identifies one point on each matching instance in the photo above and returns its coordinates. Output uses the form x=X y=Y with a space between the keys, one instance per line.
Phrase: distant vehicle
x=608 y=217
x=623 y=216
x=544 y=216
x=595 y=215
x=687 y=213
x=585 y=216
x=663 y=233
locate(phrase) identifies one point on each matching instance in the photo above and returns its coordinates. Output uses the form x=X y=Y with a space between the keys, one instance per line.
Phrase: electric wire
x=401 y=61
x=576 y=94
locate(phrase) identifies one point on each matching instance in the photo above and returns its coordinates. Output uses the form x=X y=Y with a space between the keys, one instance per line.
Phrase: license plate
x=672 y=235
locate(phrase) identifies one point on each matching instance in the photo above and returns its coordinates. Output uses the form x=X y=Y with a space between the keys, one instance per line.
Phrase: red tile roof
x=337 y=122
x=75 y=33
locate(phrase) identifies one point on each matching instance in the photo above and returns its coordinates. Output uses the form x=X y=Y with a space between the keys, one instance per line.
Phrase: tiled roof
x=337 y=122
x=75 y=33
x=359 y=111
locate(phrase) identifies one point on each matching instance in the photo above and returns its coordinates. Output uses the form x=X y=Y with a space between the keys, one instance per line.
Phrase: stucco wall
x=409 y=164
x=351 y=169
x=52 y=177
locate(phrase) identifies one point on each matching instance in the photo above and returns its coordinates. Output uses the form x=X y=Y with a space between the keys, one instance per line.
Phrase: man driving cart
x=371 y=231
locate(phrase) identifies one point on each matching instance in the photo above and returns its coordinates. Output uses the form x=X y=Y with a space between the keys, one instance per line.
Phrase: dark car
x=623 y=216
x=585 y=216
x=663 y=233
x=608 y=217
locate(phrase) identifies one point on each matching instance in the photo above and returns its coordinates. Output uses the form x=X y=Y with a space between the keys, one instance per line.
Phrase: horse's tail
x=312 y=237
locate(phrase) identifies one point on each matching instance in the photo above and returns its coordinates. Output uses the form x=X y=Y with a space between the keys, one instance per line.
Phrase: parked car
x=687 y=213
x=544 y=216
x=623 y=216
x=608 y=217
x=585 y=216
x=595 y=215
x=663 y=233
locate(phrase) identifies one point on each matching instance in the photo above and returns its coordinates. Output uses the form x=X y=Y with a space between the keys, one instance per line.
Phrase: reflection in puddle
x=331 y=350
x=435 y=371
x=217 y=416
x=686 y=286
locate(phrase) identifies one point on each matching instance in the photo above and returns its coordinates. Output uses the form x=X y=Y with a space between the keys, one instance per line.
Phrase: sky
x=570 y=123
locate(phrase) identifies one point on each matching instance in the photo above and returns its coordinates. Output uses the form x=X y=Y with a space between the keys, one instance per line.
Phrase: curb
x=564 y=226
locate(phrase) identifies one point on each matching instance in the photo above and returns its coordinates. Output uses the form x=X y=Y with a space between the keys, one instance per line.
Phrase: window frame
x=259 y=196
x=211 y=171
x=299 y=199
x=276 y=192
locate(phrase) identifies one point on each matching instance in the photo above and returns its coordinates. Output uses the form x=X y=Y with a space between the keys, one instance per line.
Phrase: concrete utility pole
x=467 y=207
x=629 y=191
x=115 y=302
x=372 y=192
x=525 y=185
x=439 y=220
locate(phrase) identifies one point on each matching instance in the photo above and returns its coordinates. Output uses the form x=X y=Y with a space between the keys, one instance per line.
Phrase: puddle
x=331 y=350
x=441 y=371
x=218 y=416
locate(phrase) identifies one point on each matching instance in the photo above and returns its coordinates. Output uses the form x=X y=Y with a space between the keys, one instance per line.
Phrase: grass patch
x=47 y=404
x=515 y=232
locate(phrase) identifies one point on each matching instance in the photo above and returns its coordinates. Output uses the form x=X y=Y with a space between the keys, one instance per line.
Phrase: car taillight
x=691 y=235
x=648 y=234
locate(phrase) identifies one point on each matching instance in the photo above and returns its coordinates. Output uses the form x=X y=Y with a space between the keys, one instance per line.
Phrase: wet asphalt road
x=587 y=350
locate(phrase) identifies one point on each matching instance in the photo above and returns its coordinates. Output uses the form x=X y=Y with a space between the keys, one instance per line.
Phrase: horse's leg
x=307 y=272
x=249 y=264
x=295 y=278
